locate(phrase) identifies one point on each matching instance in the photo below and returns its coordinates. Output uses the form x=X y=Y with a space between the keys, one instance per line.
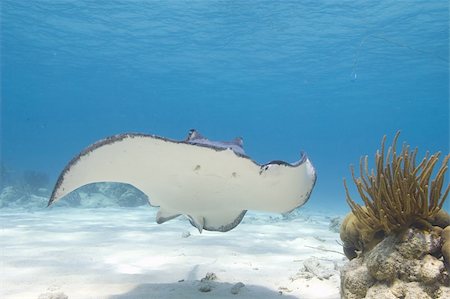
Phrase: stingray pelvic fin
x=198 y=222
x=165 y=215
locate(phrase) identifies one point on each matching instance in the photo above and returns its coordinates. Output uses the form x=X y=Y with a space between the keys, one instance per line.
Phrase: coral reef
x=125 y=195
x=445 y=235
x=26 y=189
x=397 y=194
x=402 y=265
x=15 y=197
x=29 y=193
x=399 y=241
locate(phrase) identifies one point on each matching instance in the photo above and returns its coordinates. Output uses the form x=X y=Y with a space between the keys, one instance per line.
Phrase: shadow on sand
x=190 y=290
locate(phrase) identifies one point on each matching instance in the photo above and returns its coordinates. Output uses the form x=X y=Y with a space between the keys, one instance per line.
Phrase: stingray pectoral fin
x=143 y=161
x=210 y=182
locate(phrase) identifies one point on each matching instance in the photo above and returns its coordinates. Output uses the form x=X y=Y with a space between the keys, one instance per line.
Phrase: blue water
x=326 y=77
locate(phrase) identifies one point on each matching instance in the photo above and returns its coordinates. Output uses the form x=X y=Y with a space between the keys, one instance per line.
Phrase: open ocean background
x=327 y=77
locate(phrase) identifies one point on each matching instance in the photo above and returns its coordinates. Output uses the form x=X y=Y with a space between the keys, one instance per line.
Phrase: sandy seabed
x=122 y=253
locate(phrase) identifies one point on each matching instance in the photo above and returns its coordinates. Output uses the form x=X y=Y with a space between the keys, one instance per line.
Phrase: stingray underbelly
x=213 y=191
x=213 y=186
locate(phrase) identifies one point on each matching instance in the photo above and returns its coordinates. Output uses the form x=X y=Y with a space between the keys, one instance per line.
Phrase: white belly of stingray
x=212 y=186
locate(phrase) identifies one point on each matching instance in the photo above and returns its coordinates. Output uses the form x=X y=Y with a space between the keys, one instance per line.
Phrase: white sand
x=123 y=253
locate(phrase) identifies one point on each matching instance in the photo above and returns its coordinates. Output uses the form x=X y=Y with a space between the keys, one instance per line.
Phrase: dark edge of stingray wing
x=86 y=151
x=120 y=137
x=302 y=160
x=307 y=196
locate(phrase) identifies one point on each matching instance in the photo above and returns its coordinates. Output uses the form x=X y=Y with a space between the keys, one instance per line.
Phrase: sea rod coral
x=398 y=194
x=398 y=241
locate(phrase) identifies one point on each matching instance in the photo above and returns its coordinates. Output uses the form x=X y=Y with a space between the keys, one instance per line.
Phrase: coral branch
x=398 y=193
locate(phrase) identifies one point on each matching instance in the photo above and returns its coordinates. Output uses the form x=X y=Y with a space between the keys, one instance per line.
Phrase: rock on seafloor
x=236 y=288
x=320 y=269
x=404 y=265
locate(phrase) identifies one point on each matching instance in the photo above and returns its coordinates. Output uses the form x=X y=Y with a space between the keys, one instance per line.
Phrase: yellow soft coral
x=397 y=194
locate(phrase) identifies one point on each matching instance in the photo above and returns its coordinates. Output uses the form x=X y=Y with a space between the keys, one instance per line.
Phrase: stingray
x=213 y=183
